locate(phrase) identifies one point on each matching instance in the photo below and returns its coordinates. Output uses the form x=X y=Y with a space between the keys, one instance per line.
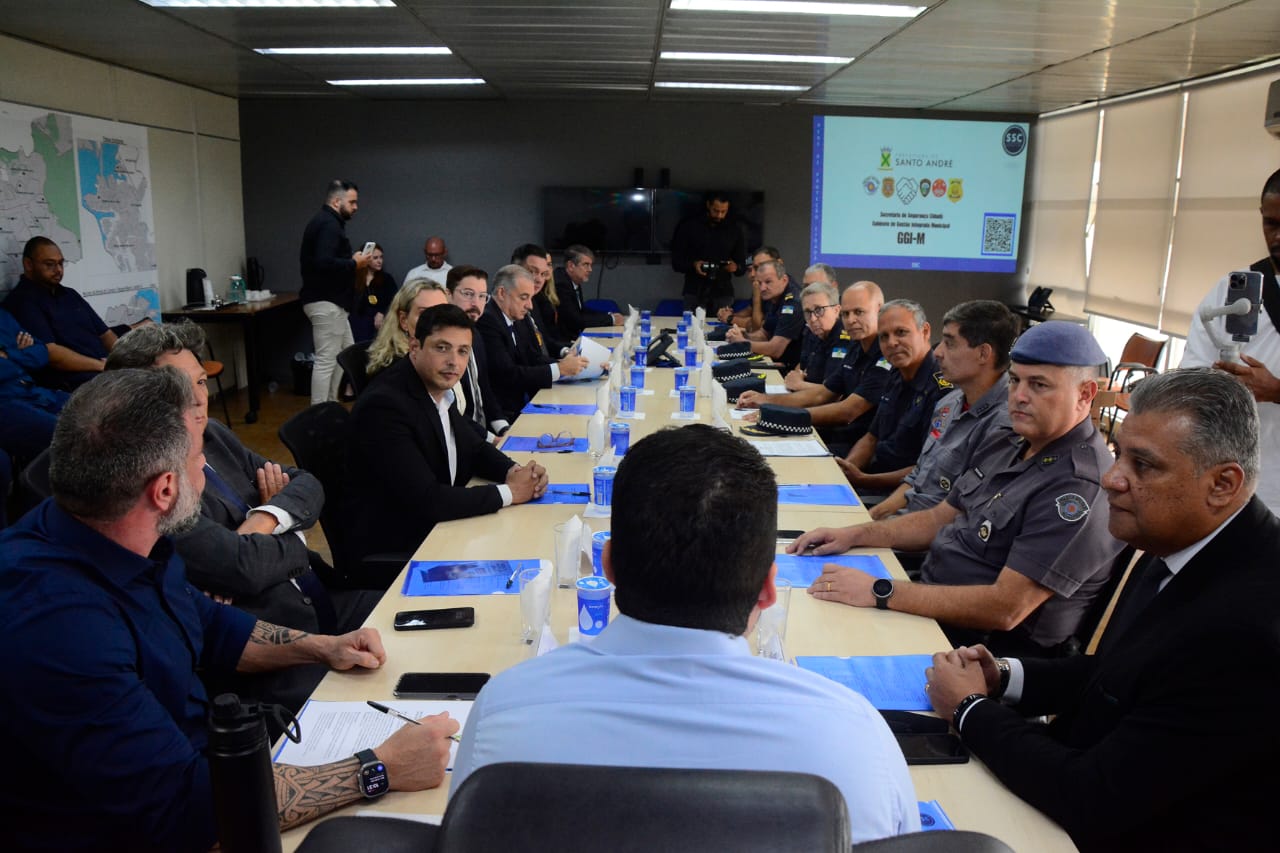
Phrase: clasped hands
x=527 y=482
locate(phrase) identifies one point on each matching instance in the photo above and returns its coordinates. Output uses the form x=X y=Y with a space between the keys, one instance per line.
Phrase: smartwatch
x=882 y=589
x=373 y=775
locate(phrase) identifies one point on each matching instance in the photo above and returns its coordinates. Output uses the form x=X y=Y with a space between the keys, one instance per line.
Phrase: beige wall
x=194 y=142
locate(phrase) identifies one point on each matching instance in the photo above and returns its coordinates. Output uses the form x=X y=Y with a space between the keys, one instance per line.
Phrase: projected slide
x=917 y=194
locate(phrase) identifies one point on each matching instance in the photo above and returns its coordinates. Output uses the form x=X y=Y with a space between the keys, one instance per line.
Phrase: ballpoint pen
x=378 y=706
x=512 y=579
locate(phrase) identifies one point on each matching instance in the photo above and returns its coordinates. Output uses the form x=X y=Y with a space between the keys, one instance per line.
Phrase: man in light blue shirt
x=671 y=682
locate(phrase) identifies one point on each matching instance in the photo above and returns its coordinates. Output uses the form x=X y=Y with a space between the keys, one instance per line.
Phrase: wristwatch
x=373 y=775
x=1005 y=671
x=882 y=589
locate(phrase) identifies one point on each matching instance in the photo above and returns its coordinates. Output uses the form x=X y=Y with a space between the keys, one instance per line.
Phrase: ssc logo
x=1014 y=140
x=870 y=185
x=1072 y=507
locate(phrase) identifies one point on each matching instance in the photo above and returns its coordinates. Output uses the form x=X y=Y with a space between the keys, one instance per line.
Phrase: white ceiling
x=1019 y=56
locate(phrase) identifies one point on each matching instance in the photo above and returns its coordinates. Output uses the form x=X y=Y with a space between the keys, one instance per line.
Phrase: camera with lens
x=711 y=269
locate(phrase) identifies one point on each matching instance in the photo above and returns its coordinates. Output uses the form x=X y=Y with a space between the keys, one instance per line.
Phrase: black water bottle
x=244 y=793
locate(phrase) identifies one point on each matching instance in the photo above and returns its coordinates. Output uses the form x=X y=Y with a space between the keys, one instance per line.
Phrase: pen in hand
x=378 y=706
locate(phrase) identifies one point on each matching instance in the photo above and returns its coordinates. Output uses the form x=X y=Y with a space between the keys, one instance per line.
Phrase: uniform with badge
x=955 y=433
x=903 y=416
x=782 y=316
x=821 y=358
x=1044 y=517
x=864 y=373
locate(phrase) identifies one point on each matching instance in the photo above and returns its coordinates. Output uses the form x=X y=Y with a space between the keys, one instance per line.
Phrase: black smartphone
x=932 y=748
x=440 y=685
x=1248 y=286
x=430 y=620
x=789 y=535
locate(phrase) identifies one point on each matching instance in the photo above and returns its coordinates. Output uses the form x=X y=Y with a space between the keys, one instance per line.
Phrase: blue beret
x=1058 y=342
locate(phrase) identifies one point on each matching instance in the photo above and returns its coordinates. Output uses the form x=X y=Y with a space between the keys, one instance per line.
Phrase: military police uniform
x=902 y=416
x=782 y=316
x=821 y=358
x=864 y=373
x=955 y=432
x=1043 y=517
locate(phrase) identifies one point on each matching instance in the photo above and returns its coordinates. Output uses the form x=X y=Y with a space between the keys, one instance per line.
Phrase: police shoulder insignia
x=788 y=309
x=942 y=383
x=984 y=530
x=839 y=352
x=884 y=364
x=1048 y=460
x=844 y=336
x=1072 y=507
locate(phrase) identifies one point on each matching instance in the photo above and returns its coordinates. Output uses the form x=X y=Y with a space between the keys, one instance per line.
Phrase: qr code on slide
x=997 y=233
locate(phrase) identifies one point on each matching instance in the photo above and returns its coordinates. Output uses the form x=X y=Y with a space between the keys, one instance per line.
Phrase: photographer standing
x=708 y=251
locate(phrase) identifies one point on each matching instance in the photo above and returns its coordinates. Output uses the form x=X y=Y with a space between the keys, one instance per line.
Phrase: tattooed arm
x=415 y=756
x=273 y=647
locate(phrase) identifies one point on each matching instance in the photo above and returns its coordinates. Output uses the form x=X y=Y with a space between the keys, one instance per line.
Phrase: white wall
x=194 y=142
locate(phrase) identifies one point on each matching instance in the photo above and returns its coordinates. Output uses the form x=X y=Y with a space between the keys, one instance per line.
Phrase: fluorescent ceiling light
x=353 y=51
x=783 y=7
x=268 y=4
x=747 y=87
x=419 y=81
x=754 y=57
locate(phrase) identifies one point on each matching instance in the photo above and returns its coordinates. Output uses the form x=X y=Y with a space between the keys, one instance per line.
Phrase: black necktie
x=1138 y=596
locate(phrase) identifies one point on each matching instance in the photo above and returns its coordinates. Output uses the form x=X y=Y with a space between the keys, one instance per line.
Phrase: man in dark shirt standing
x=710 y=240
x=329 y=275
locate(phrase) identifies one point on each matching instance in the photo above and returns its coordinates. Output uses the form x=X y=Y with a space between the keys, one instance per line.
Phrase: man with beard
x=469 y=290
x=708 y=251
x=104 y=635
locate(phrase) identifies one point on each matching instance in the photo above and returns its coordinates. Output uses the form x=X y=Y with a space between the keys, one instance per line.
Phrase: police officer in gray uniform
x=1019 y=550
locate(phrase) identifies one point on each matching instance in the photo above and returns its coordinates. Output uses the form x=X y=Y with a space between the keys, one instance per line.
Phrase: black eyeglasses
x=547 y=441
x=810 y=313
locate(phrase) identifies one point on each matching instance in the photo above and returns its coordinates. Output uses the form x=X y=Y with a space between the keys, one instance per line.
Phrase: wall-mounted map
x=84 y=183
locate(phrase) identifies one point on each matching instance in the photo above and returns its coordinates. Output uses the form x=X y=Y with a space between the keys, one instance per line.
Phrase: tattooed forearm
x=306 y=793
x=266 y=634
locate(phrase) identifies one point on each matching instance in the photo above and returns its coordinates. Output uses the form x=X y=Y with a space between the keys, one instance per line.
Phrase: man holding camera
x=1260 y=357
x=709 y=251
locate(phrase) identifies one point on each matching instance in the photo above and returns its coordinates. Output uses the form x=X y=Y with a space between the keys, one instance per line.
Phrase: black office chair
x=317 y=438
x=943 y=841
x=354 y=360
x=33 y=480
x=369 y=835
x=584 y=809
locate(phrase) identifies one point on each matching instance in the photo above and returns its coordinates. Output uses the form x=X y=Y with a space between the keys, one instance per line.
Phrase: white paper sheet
x=334 y=731
x=790 y=447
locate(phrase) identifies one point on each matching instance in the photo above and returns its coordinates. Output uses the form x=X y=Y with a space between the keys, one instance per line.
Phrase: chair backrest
x=571 y=808
x=317 y=438
x=669 y=308
x=606 y=305
x=950 y=841
x=1140 y=349
x=354 y=360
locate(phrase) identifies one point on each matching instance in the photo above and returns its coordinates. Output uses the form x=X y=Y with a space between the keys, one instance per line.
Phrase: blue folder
x=529 y=444
x=933 y=817
x=602 y=334
x=465 y=577
x=802 y=569
x=557 y=409
x=889 y=682
x=818 y=495
x=565 y=493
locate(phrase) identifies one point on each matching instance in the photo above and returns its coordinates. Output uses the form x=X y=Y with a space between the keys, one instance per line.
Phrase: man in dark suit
x=1160 y=740
x=412 y=454
x=468 y=288
x=570 y=279
x=517 y=367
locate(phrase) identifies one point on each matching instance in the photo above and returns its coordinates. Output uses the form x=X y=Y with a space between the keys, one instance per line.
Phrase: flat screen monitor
x=602 y=219
x=917 y=194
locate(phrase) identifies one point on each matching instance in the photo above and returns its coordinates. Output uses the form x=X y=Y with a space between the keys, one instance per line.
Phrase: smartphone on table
x=440 y=685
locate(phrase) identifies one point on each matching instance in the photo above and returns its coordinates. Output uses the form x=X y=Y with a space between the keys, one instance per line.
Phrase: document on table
x=803 y=569
x=790 y=447
x=335 y=731
x=889 y=682
x=933 y=817
x=466 y=577
x=817 y=494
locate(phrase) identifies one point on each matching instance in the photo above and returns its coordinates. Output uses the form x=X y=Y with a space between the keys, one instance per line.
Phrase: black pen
x=512 y=579
x=378 y=706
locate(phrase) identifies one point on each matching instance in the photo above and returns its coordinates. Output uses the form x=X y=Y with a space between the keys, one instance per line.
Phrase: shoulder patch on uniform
x=788 y=309
x=942 y=383
x=1071 y=507
x=844 y=336
x=1048 y=460
x=839 y=352
x=984 y=530
x=884 y=364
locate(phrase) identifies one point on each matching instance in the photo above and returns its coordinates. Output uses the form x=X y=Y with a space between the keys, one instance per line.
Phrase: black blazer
x=573 y=316
x=547 y=316
x=398 y=468
x=493 y=411
x=1165 y=740
x=516 y=371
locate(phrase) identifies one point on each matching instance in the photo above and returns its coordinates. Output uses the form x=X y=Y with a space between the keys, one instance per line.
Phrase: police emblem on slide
x=984 y=531
x=1072 y=507
x=871 y=185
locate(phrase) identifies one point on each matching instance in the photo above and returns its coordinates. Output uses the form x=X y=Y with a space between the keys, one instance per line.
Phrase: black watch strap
x=366 y=756
x=373 y=778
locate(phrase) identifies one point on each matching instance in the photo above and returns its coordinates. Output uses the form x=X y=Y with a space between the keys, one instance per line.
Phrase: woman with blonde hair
x=392 y=340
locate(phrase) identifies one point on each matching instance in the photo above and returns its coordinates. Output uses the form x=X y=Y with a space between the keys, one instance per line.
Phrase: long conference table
x=969 y=794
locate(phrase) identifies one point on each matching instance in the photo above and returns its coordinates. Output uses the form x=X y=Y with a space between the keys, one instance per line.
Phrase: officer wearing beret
x=1019 y=550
